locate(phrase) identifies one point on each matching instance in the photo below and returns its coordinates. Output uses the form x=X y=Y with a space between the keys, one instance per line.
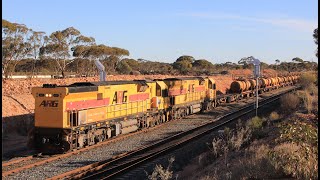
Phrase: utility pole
x=256 y=72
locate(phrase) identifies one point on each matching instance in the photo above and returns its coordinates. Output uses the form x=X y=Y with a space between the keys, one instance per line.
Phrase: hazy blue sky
x=163 y=30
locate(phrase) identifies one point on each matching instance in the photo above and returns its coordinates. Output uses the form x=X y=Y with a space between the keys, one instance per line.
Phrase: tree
x=202 y=66
x=202 y=63
x=36 y=40
x=183 y=64
x=61 y=44
x=14 y=44
x=298 y=61
x=190 y=59
x=116 y=56
x=277 y=63
x=101 y=52
x=124 y=68
x=263 y=65
x=134 y=64
x=315 y=36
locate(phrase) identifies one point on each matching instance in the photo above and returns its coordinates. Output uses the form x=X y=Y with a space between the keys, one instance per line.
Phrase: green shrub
x=255 y=123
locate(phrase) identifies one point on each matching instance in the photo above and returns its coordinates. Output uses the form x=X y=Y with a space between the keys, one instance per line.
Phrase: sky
x=218 y=31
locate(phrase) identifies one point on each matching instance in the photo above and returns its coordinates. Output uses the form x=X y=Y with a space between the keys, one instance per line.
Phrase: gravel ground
x=20 y=164
x=108 y=151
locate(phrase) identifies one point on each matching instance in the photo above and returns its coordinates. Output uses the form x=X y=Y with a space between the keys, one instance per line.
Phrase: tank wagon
x=247 y=88
x=85 y=113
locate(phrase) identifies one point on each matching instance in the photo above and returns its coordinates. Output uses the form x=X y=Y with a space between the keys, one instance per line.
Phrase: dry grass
x=162 y=173
x=230 y=141
x=289 y=102
x=293 y=160
x=242 y=137
x=274 y=116
x=254 y=165
x=307 y=79
x=297 y=151
x=309 y=98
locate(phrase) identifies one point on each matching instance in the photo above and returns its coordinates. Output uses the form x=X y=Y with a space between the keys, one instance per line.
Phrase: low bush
x=231 y=140
x=242 y=137
x=289 y=102
x=293 y=160
x=255 y=123
x=274 y=116
x=162 y=173
x=255 y=165
x=297 y=151
x=307 y=79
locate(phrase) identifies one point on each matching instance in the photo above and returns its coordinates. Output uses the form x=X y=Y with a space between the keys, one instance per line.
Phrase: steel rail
x=74 y=152
x=8 y=163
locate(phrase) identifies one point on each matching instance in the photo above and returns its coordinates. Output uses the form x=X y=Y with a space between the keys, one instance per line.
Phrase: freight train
x=85 y=113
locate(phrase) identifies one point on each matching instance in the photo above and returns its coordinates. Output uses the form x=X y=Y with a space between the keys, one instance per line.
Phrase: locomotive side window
x=210 y=85
x=165 y=93
x=73 y=119
x=158 y=90
x=172 y=100
x=214 y=86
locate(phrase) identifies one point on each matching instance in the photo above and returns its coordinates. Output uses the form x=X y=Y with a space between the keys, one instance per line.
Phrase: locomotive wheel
x=163 y=119
x=212 y=105
x=66 y=146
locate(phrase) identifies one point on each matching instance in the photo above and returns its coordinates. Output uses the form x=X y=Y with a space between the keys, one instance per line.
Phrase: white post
x=257 y=92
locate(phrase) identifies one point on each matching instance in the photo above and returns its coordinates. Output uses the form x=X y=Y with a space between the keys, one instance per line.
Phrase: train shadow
x=14 y=136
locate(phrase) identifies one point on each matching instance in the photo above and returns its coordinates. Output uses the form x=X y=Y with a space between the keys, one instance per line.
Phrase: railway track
x=117 y=166
x=24 y=163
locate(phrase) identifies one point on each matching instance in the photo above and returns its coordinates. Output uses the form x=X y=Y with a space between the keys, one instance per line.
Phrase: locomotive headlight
x=47 y=95
x=50 y=95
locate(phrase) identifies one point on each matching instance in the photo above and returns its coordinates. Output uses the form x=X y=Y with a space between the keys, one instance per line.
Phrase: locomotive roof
x=93 y=86
x=184 y=78
x=105 y=83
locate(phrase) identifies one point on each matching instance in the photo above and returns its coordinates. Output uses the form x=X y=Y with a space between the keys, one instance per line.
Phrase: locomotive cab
x=49 y=115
